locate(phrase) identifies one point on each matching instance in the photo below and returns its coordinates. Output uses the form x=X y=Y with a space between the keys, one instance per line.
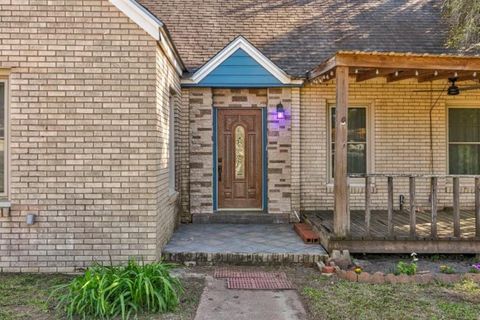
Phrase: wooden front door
x=240 y=158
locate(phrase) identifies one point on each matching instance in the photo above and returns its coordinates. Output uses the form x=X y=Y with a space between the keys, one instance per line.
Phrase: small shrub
x=107 y=292
x=447 y=269
x=409 y=269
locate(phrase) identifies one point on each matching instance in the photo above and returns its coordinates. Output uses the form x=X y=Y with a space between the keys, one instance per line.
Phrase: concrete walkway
x=219 y=303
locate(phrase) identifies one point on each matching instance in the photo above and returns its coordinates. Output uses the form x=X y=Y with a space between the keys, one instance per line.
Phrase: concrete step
x=240 y=217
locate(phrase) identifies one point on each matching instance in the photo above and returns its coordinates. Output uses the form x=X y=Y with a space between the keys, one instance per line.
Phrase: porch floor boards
x=380 y=242
x=240 y=244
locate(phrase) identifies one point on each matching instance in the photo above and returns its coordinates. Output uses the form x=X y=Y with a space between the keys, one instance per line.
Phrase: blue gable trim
x=240 y=70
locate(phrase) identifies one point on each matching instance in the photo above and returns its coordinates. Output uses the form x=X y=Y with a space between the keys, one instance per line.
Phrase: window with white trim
x=171 y=144
x=3 y=137
x=357 y=141
x=464 y=140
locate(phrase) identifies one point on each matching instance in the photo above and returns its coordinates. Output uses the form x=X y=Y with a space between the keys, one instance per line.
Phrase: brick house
x=116 y=129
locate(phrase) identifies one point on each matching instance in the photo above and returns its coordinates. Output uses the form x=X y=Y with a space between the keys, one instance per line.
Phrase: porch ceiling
x=398 y=66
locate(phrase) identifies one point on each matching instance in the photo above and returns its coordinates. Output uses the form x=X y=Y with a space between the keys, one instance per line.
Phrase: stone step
x=240 y=244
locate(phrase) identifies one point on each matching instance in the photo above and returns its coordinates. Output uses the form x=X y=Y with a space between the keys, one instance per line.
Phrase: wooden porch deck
x=379 y=240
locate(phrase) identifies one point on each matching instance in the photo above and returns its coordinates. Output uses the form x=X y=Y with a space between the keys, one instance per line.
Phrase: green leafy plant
x=106 y=292
x=409 y=269
x=447 y=269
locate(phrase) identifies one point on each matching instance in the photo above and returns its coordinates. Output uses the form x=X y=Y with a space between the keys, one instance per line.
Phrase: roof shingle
x=298 y=35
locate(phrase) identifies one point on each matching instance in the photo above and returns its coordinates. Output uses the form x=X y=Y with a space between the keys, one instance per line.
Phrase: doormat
x=259 y=283
x=235 y=273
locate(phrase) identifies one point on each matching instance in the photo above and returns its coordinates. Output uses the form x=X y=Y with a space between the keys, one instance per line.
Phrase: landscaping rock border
x=380 y=277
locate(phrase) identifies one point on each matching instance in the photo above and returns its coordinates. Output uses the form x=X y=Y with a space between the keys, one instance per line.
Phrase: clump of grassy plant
x=409 y=269
x=447 y=269
x=120 y=291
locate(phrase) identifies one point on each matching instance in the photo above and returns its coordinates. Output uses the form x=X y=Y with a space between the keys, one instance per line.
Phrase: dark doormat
x=259 y=283
x=254 y=280
x=239 y=273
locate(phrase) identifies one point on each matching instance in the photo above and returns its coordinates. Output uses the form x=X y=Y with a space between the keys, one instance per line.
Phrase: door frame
x=264 y=161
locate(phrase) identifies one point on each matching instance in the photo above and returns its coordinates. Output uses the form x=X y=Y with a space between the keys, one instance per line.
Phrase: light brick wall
x=88 y=105
x=279 y=152
x=201 y=146
x=184 y=155
x=399 y=127
x=168 y=92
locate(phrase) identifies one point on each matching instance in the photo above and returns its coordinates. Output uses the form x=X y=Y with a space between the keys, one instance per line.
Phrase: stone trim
x=202 y=258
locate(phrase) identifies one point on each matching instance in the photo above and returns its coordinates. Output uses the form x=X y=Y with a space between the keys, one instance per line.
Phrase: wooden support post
x=368 y=200
x=456 y=207
x=433 y=199
x=341 y=220
x=390 y=206
x=413 y=209
x=477 y=207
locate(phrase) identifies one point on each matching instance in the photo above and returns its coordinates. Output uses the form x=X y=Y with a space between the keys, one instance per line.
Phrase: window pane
x=464 y=125
x=357 y=124
x=357 y=138
x=2 y=136
x=464 y=159
x=356 y=158
x=239 y=152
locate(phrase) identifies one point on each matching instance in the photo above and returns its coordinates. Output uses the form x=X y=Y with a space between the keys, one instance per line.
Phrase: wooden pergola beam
x=405 y=64
x=402 y=75
x=374 y=73
x=462 y=76
x=406 y=61
x=324 y=68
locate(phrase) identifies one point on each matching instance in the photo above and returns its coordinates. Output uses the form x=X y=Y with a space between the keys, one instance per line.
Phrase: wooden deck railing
x=412 y=180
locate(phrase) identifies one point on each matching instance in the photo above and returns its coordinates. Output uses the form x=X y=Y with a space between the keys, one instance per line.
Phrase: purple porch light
x=280 y=111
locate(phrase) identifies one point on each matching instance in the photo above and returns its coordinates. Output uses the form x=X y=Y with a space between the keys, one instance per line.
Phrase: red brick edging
x=380 y=277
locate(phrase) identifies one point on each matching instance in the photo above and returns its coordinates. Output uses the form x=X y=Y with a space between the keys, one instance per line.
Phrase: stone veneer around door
x=201 y=102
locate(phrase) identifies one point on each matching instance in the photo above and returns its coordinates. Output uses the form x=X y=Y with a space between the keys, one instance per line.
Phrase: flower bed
x=380 y=277
x=428 y=269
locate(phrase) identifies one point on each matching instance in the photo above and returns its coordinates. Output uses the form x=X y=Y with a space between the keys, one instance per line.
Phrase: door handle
x=219 y=170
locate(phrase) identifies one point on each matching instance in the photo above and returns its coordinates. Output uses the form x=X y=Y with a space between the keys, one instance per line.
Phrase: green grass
x=25 y=296
x=327 y=299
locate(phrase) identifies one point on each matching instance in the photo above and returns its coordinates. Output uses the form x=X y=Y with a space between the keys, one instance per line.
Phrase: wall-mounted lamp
x=280 y=111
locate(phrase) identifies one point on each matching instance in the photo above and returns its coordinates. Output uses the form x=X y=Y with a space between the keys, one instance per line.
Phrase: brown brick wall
x=88 y=105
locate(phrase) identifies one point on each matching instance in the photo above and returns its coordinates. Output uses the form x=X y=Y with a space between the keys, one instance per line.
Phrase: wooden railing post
x=433 y=199
x=477 y=207
x=456 y=207
x=413 y=213
x=390 y=206
x=368 y=185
